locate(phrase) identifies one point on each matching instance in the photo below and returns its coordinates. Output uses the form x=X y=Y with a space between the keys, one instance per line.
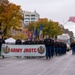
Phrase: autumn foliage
x=10 y=16
x=50 y=27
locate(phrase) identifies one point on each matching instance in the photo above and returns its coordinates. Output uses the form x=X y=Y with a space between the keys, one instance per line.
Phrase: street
x=60 y=65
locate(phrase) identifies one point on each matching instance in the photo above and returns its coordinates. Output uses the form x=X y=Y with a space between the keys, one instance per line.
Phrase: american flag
x=72 y=19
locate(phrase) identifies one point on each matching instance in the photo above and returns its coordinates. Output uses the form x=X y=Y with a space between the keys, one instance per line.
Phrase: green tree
x=49 y=27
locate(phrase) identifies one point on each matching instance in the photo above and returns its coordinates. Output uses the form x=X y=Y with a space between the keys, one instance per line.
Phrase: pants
x=52 y=50
x=0 y=50
x=48 y=52
x=56 y=51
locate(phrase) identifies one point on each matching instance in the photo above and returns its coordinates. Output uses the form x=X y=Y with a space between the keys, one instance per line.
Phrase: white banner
x=23 y=50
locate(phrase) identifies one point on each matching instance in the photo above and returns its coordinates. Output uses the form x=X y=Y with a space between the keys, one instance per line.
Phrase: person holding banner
x=41 y=41
x=2 y=41
x=34 y=41
x=18 y=41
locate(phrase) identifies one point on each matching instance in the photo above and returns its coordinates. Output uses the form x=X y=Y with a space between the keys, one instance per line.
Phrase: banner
x=23 y=50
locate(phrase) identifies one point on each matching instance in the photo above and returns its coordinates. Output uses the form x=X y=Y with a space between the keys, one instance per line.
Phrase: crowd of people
x=52 y=47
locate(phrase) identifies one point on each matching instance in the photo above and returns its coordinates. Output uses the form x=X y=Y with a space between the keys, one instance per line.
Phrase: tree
x=49 y=27
x=10 y=16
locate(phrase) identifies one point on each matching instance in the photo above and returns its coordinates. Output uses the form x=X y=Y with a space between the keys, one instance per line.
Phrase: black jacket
x=18 y=41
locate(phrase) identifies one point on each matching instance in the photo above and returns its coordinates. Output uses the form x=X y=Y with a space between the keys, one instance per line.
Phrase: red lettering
x=30 y=50
x=26 y=50
x=16 y=50
x=34 y=49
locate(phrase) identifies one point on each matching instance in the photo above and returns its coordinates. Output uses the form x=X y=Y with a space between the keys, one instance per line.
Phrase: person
x=18 y=41
x=72 y=47
x=24 y=43
x=56 y=47
x=34 y=41
x=2 y=41
x=52 y=46
x=47 y=44
x=41 y=41
x=29 y=41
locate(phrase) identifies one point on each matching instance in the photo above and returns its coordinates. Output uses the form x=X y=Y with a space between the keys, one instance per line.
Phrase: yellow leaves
x=10 y=15
x=50 y=27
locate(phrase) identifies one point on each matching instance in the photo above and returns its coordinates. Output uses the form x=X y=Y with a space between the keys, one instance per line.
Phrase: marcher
x=34 y=41
x=41 y=41
x=73 y=47
x=2 y=41
x=56 y=47
x=48 y=49
x=18 y=41
x=52 y=47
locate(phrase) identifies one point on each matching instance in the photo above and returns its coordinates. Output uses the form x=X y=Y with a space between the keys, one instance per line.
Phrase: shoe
x=47 y=58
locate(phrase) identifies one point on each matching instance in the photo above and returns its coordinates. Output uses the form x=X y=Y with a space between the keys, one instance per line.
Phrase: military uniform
x=56 y=47
x=41 y=42
x=2 y=41
x=18 y=42
x=52 y=47
x=73 y=47
x=48 y=49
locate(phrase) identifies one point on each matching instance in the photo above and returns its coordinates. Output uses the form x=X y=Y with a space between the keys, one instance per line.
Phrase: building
x=25 y=32
x=30 y=17
x=3 y=1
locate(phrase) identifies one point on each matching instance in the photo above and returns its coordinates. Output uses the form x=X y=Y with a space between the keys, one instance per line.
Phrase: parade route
x=60 y=65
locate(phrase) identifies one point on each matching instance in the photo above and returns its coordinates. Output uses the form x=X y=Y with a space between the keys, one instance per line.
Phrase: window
x=32 y=18
x=27 y=18
x=27 y=15
x=33 y=15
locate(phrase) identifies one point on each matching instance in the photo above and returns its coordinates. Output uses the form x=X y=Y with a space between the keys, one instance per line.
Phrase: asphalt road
x=60 y=65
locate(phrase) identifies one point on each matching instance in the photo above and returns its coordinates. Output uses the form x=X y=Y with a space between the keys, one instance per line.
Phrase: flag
x=30 y=35
x=72 y=19
x=41 y=31
x=35 y=33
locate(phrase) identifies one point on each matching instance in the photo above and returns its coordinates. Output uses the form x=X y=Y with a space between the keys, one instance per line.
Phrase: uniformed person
x=18 y=41
x=56 y=47
x=34 y=41
x=47 y=44
x=41 y=41
x=72 y=47
x=28 y=41
x=2 y=41
x=52 y=46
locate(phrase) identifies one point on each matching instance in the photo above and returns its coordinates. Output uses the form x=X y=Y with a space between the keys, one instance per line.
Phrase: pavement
x=60 y=65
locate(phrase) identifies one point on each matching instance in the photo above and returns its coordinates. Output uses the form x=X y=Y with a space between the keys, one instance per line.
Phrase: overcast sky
x=56 y=10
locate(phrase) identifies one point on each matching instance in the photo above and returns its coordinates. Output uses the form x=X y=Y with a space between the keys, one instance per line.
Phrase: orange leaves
x=10 y=15
x=50 y=27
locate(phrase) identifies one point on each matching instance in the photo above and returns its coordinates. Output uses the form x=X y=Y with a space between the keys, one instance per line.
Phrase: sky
x=56 y=10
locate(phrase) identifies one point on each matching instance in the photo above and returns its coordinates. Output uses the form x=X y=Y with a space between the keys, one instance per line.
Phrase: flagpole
x=65 y=22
